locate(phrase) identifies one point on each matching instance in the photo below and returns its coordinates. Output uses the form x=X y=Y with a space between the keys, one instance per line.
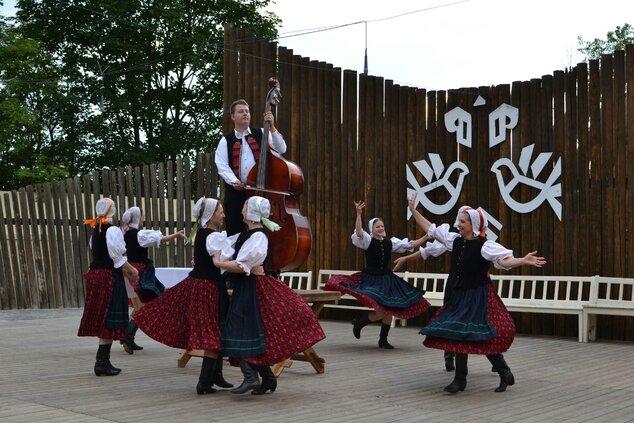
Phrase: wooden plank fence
x=353 y=135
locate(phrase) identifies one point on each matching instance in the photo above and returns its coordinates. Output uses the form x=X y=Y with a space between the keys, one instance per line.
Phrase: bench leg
x=592 y=327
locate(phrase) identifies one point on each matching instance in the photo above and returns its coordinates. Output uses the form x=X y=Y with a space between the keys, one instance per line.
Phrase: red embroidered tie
x=237 y=147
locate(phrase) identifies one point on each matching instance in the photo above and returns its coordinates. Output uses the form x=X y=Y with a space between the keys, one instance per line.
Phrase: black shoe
x=202 y=389
x=455 y=386
x=385 y=345
x=359 y=323
x=207 y=370
x=103 y=367
x=127 y=345
x=506 y=379
x=269 y=382
x=217 y=378
x=106 y=369
x=251 y=380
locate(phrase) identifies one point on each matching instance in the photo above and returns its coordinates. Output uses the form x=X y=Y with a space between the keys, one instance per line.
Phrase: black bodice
x=468 y=268
x=378 y=257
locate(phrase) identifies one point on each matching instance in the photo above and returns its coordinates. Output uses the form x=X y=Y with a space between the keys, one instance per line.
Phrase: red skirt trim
x=500 y=319
x=98 y=294
x=185 y=316
x=335 y=284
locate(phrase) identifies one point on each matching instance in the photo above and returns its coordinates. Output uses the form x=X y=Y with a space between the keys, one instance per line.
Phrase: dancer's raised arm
x=420 y=219
x=358 y=226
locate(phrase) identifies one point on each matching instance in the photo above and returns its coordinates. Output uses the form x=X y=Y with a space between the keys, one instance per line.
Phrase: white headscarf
x=131 y=219
x=258 y=210
x=204 y=209
x=105 y=210
x=479 y=221
x=371 y=223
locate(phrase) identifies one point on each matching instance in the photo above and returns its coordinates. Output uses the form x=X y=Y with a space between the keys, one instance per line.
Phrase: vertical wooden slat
x=7 y=279
x=349 y=160
x=39 y=286
x=619 y=119
x=595 y=218
x=68 y=258
x=629 y=158
x=607 y=169
x=53 y=245
x=180 y=223
x=170 y=211
x=24 y=296
x=77 y=236
x=162 y=253
x=188 y=205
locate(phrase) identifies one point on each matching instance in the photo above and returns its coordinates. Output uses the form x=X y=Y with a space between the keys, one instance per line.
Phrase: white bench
x=546 y=294
x=298 y=280
x=610 y=296
x=526 y=294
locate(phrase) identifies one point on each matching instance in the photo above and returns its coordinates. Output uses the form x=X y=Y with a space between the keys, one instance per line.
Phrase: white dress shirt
x=247 y=161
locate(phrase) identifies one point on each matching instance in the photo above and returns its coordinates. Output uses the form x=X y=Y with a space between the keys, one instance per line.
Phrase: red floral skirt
x=98 y=295
x=501 y=320
x=339 y=282
x=185 y=316
x=290 y=326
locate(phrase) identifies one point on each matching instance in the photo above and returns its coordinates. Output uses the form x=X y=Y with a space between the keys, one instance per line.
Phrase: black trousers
x=234 y=201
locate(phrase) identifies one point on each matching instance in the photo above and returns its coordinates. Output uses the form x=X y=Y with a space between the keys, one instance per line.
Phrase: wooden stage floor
x=46 y=376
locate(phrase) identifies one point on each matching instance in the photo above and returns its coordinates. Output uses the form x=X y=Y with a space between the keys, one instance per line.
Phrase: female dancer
x=267 y=321
x=473 y=319
x=106 y=307
x=146 y=287
x=190 y=315
x=376 y=286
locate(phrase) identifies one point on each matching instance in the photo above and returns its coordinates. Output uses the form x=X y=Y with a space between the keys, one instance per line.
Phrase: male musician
x=236 y=154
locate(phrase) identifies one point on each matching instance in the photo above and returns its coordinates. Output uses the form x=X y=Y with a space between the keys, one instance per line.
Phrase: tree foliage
x=615 y=40
x=118 y=82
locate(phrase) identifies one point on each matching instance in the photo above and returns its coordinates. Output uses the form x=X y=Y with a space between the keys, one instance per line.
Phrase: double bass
x=281 y=182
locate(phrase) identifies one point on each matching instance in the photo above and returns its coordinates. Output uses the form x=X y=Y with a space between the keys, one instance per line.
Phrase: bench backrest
x=543 y=290
x=298 y=280
x=613 y=292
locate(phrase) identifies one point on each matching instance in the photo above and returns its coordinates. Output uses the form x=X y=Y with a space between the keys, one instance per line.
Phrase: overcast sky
x=471 y=43
x=468 y=43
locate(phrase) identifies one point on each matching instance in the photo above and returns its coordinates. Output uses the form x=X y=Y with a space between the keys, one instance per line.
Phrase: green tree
x=135 y=81
x=615 y=40
x=28 y=104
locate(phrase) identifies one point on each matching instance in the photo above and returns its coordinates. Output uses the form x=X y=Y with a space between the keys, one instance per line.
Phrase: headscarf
x=258 y=210
x=105 y=210
x=479 y=221
x=204 y=209
x=131 y=219
x=371 y=223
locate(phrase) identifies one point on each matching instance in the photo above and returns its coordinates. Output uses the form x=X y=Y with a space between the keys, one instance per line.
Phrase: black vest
x=378 y=257
x=256 y=133
x=100 y=257
x=468 y=268
x=134 y=251
x=203 y=263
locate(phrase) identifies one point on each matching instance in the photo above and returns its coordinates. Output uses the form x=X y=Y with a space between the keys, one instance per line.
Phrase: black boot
x=500 y=366
x=103 y=367
x=449 y=361
x=204 y=385
x=217 y=378
x=251 y=380
x=269 y=382
x=128 y=343
x=359 y=323
x=385 y=329
x=459 y=382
